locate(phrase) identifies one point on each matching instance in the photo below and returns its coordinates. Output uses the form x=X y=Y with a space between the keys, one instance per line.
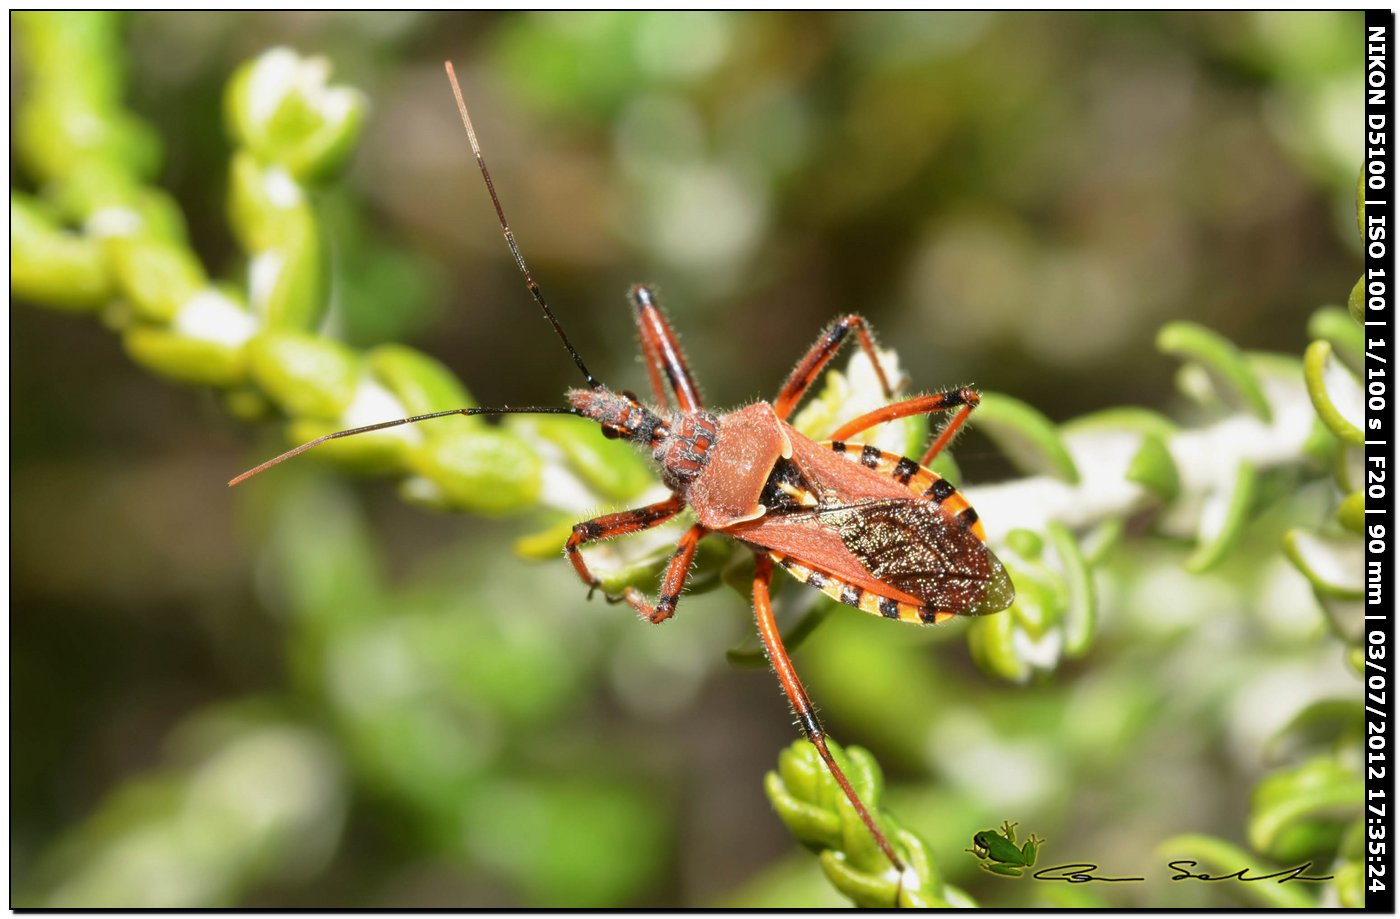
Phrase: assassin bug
x=872 y=530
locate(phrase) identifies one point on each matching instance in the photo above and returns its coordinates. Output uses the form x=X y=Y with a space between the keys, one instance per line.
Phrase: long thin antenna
x=297 y=451
x=510 y=237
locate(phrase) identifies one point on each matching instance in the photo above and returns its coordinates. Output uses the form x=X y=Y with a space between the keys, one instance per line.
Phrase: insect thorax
x=683 y=453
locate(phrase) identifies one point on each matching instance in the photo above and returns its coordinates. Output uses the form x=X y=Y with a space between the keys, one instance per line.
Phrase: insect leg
x=820 y=355
x=965 y=400
x=663 y=353
x=672 y=582
x=619 y=524
x=801 y=704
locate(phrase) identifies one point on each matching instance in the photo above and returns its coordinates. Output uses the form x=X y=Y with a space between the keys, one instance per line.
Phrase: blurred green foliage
x=409 y=714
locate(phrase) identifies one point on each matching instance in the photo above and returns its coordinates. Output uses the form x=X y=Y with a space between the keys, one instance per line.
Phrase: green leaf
x=1126 y=417
x=1325 y=725
x=1026 y=437
x=1079 y=615
x=1333 y=565
x=53 y=267
x=1223 y=519
x=1348 y=340
x=1222 y=361
x=1334 y=392
x=612 y=468
x=1298 y=813
x=1351 y=513
x=484 y=471
x=420 y=382
x=991 y=642
x=305 y=375
x=157 y=276
x=1153 y=468
x=818 y=813
x=189 y=360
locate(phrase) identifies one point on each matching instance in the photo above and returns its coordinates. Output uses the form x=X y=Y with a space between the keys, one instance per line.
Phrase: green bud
x=818 y=813
x=614 y=469
x=157 y=277
x=484 y=471
x=52 y=267
x=205 y=343
x=180 y=357
x=421 y=383
x=110 y=204
x=303 y=374
x=60 y=133
x=280 y=108
x=801 y=792
x=274 y=222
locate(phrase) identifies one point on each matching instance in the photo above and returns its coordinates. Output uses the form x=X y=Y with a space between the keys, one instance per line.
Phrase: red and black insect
x=876 y=531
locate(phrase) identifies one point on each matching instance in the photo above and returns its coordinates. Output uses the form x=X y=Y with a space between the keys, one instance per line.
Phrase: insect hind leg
x=802 y=704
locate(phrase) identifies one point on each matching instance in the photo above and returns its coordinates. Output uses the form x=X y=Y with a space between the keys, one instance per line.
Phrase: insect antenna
x=297 y=451
x=510 y=237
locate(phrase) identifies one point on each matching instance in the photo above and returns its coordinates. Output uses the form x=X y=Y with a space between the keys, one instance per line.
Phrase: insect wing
x=919 y=549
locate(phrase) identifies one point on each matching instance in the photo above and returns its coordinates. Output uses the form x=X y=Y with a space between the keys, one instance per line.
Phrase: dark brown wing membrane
x=916 y=547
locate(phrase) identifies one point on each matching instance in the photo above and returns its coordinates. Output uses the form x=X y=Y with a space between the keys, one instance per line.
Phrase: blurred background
x=306 y=693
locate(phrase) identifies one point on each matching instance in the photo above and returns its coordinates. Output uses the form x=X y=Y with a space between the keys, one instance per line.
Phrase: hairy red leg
x=619 y=524
x=820 y=355
x=801 y=704
x=965 y=400
x=663 y=353
x=672 y=582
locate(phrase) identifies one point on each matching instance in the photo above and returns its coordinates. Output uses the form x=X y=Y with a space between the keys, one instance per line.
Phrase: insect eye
x=612 y=433
x=629 y=395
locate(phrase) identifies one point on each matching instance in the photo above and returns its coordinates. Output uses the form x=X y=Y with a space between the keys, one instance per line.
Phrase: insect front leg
x=619 y=524
x=662 y=352
x=672 y=582
x=820 y=355
x=964 y=400
x=801 y=703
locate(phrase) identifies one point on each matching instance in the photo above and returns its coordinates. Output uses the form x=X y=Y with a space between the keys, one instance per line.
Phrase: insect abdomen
x=918 y=481
x=850 y=594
